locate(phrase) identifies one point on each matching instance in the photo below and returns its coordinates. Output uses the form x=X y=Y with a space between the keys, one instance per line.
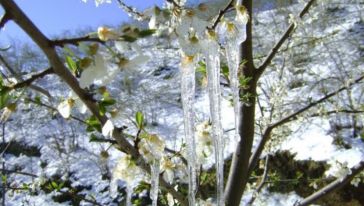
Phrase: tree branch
x=33 y=78
x=4 y=19
x=174 y=3
x=76 y=41
x=285 y=36
x=269 y=129
x=19 y=78
x=221 y=14
x=335 y=185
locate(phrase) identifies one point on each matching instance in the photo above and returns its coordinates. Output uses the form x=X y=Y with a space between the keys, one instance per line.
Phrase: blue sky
x=53 y=17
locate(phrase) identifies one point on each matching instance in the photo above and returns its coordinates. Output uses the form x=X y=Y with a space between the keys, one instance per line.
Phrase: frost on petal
x=108 y=129
x=64 y=108
x=98 y=2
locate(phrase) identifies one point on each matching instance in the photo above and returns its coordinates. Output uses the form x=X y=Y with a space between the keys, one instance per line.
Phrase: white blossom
x=151 y=147
x=108 y=128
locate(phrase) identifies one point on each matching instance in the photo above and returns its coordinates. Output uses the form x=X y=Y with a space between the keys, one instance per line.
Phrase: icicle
x=188 y=95
x=129 y=192
x=155 y=168
x=212 y=57
x=232 y=55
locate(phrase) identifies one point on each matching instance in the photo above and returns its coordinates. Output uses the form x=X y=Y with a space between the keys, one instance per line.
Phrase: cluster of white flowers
x=126 y=170
x=151 y=147
x=338 y=170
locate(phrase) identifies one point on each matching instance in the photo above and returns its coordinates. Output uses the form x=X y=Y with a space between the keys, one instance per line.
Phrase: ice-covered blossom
x=108 y=128
x=190 y=24
x=151 y=147
x=126 y=170
x=204 y=141
x=106 y=34
x=190 y=45
x=235 y=30
x=168 y=167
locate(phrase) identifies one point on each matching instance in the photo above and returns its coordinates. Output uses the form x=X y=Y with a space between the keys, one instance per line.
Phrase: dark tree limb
x=335 y=185
x=283 y=39
x=76 y=41
x=4 y=19
x=267 y=133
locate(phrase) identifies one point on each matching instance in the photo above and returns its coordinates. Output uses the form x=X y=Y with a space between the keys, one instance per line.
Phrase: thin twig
x=75 y=41
x=221 y=14
x=262 y=182
x=130 y=9
x=33 y=78
x=335 y=185
x=266 y=136
x=283 y=39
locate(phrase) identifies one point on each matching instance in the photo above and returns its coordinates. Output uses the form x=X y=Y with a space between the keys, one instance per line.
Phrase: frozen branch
x=283 y=39
x=130 y=10
x=335 y=185
x=174 y=3
x=262 y=182
x=221 y=14
x=266 y=136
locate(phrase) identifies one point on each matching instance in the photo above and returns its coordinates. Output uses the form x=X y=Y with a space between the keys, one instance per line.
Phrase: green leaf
x=128 y=38
x=108 y=102
x=54 y=184
x=71 y=64
x=201 y=68
x=139 y=118
x=4 y=98
x=93 y=124
x=147 y=32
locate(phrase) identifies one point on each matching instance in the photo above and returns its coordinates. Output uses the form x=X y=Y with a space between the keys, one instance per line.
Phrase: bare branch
x=130 y=10
x=76 y=41
x=266 y=136
x=285 y=36
x=335 y=185
x=33 y=78
x=19 y=78
x=262 y=182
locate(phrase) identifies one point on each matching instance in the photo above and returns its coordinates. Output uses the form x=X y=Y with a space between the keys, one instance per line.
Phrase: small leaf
x=147 y=32
x=71 y=64
x=139 y=118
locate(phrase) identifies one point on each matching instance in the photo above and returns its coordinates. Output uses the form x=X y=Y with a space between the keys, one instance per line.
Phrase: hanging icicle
x=129 y=192
x=155 y=168
x=188 y=95
x=235 y=33
x=212 y=58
